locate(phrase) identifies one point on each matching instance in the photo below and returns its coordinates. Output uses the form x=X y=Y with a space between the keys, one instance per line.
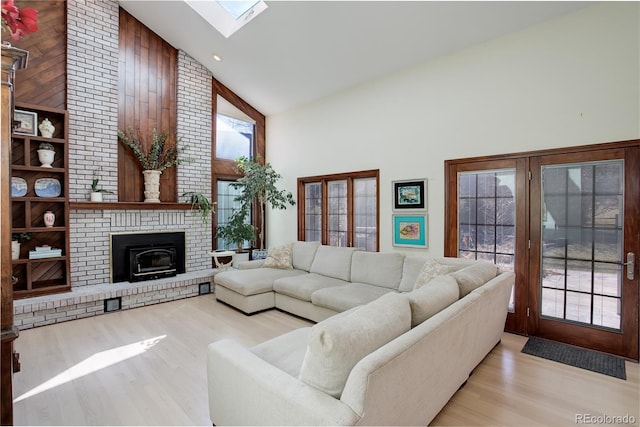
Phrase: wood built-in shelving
x=47 y=275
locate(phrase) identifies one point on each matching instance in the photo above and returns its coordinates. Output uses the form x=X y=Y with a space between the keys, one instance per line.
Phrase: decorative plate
x=18 y=187
x=47 y=187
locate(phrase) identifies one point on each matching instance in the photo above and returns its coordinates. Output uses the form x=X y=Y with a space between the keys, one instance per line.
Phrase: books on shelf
x=44 y=252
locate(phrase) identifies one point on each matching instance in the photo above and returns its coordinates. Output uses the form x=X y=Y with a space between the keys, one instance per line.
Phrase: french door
x=584 y=241
x=567 y=222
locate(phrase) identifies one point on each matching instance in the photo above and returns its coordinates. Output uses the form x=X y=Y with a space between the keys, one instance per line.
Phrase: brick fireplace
x=93 y=102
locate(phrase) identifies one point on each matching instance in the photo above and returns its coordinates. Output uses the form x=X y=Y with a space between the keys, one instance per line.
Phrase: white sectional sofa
x=400 y=335
x=321 y=281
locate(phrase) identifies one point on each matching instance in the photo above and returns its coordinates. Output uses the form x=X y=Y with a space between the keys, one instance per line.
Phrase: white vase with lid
x=47 y=128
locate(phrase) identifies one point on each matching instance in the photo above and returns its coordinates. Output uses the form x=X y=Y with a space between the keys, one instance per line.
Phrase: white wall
x=570 y=81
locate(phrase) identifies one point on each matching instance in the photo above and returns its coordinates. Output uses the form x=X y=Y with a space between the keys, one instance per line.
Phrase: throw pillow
x=430 y=270
x=338 y=343
x=437 y=295
x=474 y=276
x=280 y=257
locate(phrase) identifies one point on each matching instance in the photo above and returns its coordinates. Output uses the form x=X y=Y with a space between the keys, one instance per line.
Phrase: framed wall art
x=410 y=231
x=25 y=122
x=410 y=195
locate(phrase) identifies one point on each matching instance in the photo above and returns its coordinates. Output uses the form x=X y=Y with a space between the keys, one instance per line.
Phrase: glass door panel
x=584 y=222
x=487 y=217
x=582 y=213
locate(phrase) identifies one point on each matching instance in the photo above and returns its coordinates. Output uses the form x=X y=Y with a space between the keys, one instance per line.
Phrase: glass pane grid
x=365 y=218
x=486 y=216
x=313 y=212
x=226 y=205
x=582 y=243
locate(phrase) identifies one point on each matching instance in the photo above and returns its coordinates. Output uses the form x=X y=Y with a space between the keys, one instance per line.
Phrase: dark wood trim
x=128 y=205
x=548 y=152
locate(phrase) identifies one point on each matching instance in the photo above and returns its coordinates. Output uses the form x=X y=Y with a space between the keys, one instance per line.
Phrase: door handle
x=631 y=265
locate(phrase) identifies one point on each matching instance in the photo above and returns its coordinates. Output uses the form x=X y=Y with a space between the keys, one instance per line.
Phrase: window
x=226 y=204
x=234 y=132
x=487 y=216
x=237 y=130
x=340 y=210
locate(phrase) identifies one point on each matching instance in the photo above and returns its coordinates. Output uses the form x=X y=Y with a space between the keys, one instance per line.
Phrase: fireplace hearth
x=146 y=256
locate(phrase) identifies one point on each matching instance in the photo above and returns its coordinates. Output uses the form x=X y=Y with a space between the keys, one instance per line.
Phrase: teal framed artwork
x=410 y=231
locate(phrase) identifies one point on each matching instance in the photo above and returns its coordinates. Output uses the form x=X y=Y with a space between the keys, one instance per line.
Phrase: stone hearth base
x=87 y=301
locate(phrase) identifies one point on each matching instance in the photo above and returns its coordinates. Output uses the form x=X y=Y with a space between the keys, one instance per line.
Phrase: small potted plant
x=46 y=154
x=96 y=193
x=201 y=202
x=237 y=231
x=16 y=240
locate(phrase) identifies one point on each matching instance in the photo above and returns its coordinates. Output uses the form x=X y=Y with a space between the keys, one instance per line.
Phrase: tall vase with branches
x=154 y=155
x=258 y=184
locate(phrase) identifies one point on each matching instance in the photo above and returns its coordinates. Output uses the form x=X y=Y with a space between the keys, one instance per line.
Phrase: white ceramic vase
x=152 y=186
x=46 y=128
x=96 y=196
x=46 y=157
x=49 y=219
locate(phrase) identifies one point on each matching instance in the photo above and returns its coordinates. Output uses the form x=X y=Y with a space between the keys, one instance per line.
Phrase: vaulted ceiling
x=296 y=52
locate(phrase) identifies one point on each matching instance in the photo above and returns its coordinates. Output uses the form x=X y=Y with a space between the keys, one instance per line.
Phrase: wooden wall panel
x=147 y=100
x=44 y=81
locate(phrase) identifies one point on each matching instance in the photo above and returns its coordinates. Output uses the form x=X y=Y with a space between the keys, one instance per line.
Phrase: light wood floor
x=147 y=367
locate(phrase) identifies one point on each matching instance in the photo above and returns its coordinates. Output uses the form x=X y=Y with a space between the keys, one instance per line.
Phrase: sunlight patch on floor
x=94 y=363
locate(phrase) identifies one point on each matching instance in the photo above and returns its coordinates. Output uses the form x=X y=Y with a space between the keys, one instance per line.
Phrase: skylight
x=227 y=16
x=237 y=8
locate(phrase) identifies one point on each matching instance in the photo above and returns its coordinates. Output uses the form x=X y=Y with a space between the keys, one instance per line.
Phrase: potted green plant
x=16 y=240
x=237 y=231
x=258 y=184
x=201 y=202
x=46 y=154
x=96 y=193
x=156 y=155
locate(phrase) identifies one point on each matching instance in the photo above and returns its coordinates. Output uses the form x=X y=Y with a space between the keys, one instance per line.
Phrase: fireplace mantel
x=81 y=205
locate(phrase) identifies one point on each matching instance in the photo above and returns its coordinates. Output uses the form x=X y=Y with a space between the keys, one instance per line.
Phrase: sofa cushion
x=279 y=257
x=377 y=268
x=473 y=276
x=303 y=254
x=252 y=281
x=285 y=352
x=430 y=270
x=333 y=261
x=433 y=297
x=348 y=296
x=303 y=286
x=410 y=270
x=335 y=345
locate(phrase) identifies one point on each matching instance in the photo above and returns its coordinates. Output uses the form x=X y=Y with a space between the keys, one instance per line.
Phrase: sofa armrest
x=247 y=265
x=246 y=390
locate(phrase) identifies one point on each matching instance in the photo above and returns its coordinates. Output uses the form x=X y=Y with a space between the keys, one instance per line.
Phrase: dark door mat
x=576 y=356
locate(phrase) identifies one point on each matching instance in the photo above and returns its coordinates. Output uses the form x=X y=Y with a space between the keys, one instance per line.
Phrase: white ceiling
x=298 y=51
